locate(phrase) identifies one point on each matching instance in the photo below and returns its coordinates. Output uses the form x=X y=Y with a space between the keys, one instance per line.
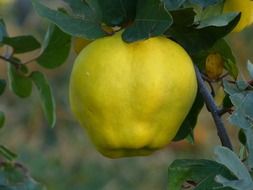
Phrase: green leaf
x=2 y=119
x=205 y=3
x=190 y=121
x=7 y=154
x=242 y=85
x=22 y=44
x=88 y=9
x=19 y=84
x=231 y=68
x=2 y=86
x=74 y=25
x=250 y=68
x=183 y=17
x=173 y=4
x=242 y=137
x=229 y=159
x=239 y=120
x=218 y=21
x=210 y=11
x=46 y=97
x=227 y=102
x=249 y=145
x=3 y=32
x=200 y=172
x=122 y=12
x=196 y=40
x=230 y=88
x=14 y=177
x=243 y=115
x=223 y=48
x=152 y=19
x=56 y=48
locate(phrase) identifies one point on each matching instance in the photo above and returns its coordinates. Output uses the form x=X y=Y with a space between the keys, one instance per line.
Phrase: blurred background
x=63 y=158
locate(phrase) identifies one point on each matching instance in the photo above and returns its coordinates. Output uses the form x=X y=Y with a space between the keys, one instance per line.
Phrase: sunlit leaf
x=218 y=21
x=231 y=68
x=243 y=115
x=229 y=159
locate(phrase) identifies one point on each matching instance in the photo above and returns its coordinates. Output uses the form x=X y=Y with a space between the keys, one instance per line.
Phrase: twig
x=214 y=80
x=212 y=89
x=225 y=110
x=222 y=133
x=12 y=61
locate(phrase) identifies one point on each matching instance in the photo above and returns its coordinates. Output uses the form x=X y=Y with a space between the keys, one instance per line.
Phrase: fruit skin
x=80 y=43
x=214 y=66
x=246 y=9
x=219 y=96
x=132 y=98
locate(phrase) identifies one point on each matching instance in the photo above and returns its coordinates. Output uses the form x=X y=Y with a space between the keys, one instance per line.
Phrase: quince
x=132 y=98
x=246 y=9
x=214 y=65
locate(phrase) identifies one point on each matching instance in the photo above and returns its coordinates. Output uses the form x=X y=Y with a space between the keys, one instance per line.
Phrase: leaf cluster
x=189 y=22
x=52 y=53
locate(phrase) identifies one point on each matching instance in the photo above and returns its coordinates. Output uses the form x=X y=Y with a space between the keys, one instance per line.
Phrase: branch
x=12 y=61
x=222 y=133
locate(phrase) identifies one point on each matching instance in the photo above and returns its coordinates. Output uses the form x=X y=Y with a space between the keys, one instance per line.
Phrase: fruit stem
x=213 y=109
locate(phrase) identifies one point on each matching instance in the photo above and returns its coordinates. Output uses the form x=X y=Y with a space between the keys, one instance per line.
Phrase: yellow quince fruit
x=214 y=65
x=132 y=97
x=219 y=96
x=246 y=9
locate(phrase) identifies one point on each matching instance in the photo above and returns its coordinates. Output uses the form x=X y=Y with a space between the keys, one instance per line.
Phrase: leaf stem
x=212 y=108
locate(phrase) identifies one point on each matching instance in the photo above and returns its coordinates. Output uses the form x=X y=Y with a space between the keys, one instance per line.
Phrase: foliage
x=198 y=25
